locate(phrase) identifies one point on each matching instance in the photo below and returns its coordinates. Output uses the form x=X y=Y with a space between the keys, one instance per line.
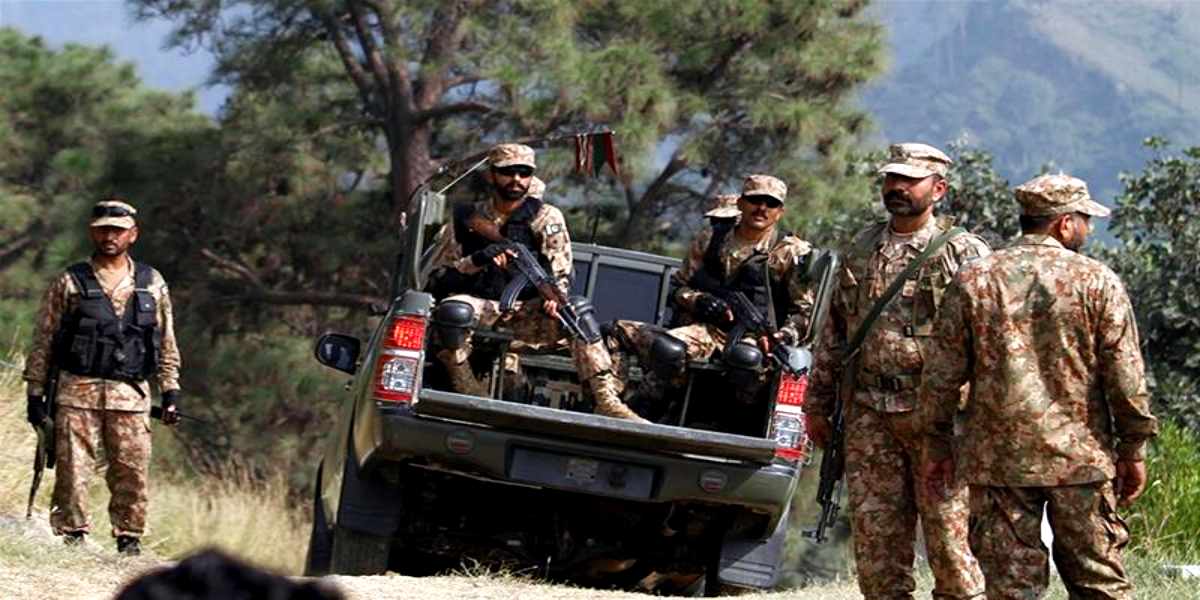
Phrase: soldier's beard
x=902 y=204
x=511 y=192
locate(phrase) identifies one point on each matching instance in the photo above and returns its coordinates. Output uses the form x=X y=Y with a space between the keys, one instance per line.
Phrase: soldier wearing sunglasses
x=469 y=276
x=751 y=255
x=107 y=325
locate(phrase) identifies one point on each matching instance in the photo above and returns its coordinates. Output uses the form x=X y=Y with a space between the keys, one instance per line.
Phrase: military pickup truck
x=415 y=478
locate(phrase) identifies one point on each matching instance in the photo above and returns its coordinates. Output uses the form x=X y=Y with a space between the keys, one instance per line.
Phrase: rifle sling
x=864 y=328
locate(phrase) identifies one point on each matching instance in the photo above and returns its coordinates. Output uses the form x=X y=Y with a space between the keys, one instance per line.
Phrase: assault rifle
x=44 y=456
x=747 y=319
x=833 y=458
x=574 y=314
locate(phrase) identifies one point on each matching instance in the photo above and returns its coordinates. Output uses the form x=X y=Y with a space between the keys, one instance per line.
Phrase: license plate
x=599 y=476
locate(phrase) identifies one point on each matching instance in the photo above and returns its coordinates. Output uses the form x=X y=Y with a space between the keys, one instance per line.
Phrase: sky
x=109 y=22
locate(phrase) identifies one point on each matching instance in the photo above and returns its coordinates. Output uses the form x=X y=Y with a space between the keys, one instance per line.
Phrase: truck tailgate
x=595 y=428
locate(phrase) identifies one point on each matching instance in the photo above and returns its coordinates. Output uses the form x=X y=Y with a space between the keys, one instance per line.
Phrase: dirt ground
x=35 y=565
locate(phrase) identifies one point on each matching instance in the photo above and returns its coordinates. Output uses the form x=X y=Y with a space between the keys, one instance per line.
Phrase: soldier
x=879 y=385
x=466 y=261
x=724 y=210
x=1058 y=413
x=729 y=256
x=107 y=324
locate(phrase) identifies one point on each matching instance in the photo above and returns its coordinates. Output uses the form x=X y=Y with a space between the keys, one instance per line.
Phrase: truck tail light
x=398 y=370
x=787 y=422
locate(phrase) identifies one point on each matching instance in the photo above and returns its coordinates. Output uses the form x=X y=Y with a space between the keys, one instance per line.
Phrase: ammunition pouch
x=453 y=320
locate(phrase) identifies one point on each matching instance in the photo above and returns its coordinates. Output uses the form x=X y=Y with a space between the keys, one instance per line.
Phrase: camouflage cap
x=724 y=207
x=765 y=185
x=916 y=160
x=505 y=155
x=537 y=188
x=112 y=212
x=1057 y=194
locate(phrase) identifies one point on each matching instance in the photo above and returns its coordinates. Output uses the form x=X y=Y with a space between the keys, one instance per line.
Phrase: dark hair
x=213 y=575
x=1038 y=223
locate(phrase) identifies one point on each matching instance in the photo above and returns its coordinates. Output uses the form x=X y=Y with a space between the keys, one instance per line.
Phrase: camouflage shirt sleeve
x=54 y=305
x=551 y=228
x=169 y=359
x=685 y=296
x=946 y=370
x=447 y=254
x=1122 y=371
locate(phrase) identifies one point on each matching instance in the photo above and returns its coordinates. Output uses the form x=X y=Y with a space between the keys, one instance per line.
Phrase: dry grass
x=249 y=519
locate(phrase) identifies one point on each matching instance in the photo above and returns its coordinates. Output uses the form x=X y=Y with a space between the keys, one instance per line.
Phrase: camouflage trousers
x=125 y=438
x=533 y=331
x=883 y=451
x=635 y=337
x=1088 y=537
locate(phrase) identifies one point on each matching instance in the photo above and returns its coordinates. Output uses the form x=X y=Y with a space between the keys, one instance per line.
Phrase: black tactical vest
x=752 y=276
x=490 y=283
x=94 y=341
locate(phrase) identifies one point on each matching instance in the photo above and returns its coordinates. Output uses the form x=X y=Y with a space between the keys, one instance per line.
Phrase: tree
x=76 y=125
x=700 y=92
x=1157 y=221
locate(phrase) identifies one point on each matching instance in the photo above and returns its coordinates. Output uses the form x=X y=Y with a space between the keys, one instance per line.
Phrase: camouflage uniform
x=1048 y=341
x=533 y=330
x=95 y=413
x=786 y=258
x=882 y=432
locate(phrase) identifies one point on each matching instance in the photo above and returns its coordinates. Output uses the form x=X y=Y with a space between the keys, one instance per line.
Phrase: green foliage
x=980 y=198
x=1167 y=517
x=701 y=93
x=1157 y=221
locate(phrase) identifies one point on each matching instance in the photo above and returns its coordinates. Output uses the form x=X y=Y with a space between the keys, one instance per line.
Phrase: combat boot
x=608 y=399
x=464 y=381
x=128 y=545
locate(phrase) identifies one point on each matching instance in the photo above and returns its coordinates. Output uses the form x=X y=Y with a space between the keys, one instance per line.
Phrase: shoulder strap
x=712 y=253
x=868 y=323
x=143 y=275
x=85 y=280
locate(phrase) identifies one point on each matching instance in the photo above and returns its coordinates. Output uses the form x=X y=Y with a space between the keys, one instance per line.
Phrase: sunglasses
x=112 y=211
x=515 y=171
x=770 y=201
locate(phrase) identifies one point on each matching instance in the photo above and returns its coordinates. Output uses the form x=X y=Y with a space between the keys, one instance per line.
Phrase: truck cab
x=416 y=478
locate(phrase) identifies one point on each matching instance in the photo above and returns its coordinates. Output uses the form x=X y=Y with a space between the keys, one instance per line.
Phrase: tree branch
x=357 y=74
x=456 y=108
x=233 y=266
x=366 y=41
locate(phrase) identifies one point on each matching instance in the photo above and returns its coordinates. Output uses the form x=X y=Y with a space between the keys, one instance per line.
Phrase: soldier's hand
x=1130 y=481
x=170 y=407
x=495 y=254
x=36 y=410
x=550 y=307
x=713 y=310
x=938 y=477
x=819 y=429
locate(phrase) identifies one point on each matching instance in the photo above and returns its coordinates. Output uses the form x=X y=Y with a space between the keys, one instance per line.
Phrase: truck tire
x=320 y=541
x=357 y=553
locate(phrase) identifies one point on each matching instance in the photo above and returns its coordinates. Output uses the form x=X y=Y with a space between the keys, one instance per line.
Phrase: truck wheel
x=357 y=553
x=320 y=541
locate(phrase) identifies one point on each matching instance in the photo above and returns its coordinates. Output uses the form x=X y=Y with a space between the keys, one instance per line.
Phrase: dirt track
x=34 y=565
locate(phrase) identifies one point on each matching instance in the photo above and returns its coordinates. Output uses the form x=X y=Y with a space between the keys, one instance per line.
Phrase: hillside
x=1077 y=84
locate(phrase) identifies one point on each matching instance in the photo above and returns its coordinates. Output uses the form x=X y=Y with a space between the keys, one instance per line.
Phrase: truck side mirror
x=339 y=351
